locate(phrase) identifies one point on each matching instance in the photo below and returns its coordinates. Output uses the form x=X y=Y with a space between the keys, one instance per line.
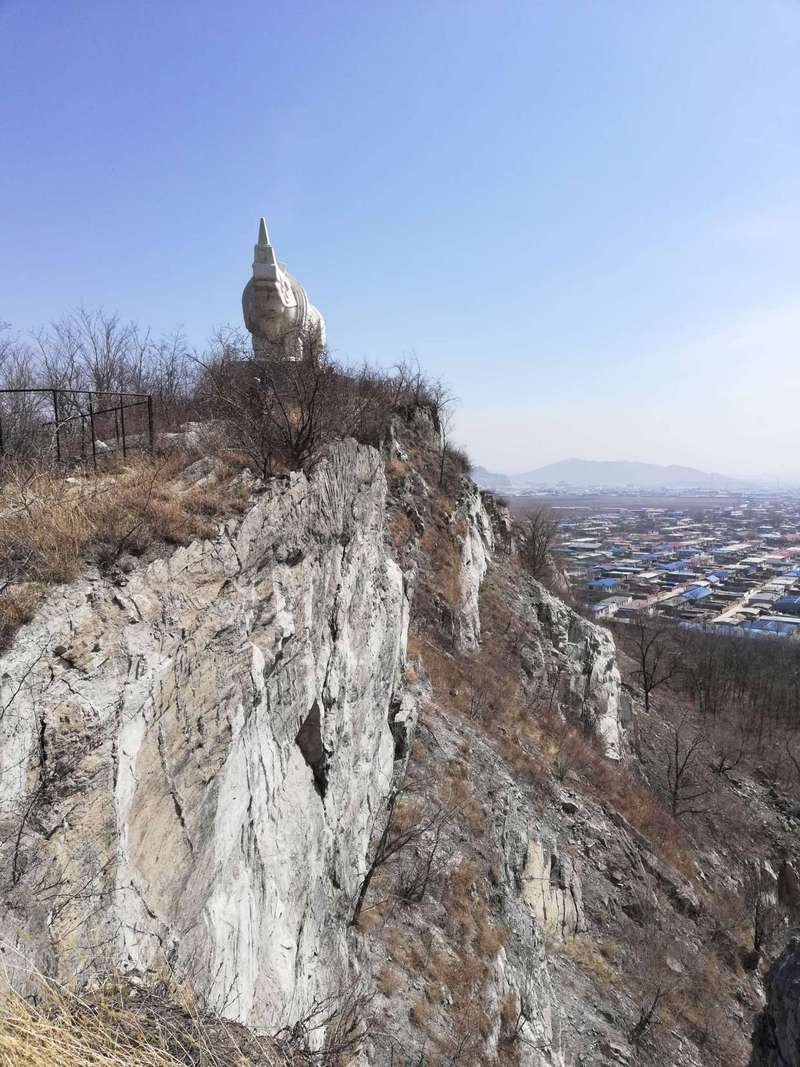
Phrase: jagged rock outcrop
x=551 y=888
x=193 y=762
x=776 y=1038
x=476 y=548
x=573 y=662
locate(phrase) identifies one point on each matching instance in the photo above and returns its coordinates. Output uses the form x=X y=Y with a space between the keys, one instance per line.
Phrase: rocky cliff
x=197 y=755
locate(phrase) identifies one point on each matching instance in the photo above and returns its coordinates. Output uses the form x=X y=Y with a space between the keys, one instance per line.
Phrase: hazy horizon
x=584 y=217
x=763 y=481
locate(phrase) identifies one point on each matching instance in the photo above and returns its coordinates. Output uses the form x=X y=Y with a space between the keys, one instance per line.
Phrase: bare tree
x=537 y=536
x=428 y=822
x=682 y=751
x=656 y=660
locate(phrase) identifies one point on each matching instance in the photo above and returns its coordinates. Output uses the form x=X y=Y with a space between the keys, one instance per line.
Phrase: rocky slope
x=199 y=756
x=194 y=757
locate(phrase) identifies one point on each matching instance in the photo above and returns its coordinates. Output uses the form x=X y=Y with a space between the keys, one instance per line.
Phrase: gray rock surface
x=475 y=553
x=198 y=757
x=196 y=754
x=776 y=1038
x=573 y=663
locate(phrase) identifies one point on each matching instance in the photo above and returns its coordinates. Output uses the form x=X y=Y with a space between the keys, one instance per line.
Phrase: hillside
x=339 y=766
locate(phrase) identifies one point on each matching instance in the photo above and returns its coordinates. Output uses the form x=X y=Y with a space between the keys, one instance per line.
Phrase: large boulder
x=776 y=1037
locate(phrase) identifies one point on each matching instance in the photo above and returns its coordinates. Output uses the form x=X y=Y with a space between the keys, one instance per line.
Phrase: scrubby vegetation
x=279 y=413
x=216 y=412
x=130 y=1021
x=686 y=845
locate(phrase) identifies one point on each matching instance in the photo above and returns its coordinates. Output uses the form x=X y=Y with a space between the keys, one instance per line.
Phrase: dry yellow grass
x=121 y=1026
x=17 y=605
x=389 y=981
x=50 y=527
x=590 y=958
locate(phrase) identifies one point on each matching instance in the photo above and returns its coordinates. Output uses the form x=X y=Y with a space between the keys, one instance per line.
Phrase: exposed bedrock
x=198 y=757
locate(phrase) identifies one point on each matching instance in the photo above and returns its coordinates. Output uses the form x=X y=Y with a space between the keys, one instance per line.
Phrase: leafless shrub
x=537 y=535
x=341 y=1021
x=282 y=413
x=681 y=755
x=406 y=824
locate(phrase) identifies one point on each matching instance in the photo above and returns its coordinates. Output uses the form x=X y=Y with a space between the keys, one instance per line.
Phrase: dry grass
x=442 y=571
x=48 y=527
x=532 y=737
x=122 y=1026
x=591 y=960
x=420 y=1013
x=17 y=606
x=401 y=530
x=396 y=468
x=389 y=981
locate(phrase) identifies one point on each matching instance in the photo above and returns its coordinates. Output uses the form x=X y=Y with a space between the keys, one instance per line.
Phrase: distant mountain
x=489 y=480
x=608 y=473
x=624 y=473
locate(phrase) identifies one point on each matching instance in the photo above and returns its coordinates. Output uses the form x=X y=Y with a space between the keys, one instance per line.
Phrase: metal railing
x=74 y=425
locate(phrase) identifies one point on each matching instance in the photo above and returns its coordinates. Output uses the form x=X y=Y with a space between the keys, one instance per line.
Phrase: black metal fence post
x=122 y=426
x=91 y=431
x=27 y=435
x=149 y=423
x=58 y=428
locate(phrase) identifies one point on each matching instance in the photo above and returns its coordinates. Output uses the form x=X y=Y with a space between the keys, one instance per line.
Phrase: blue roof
x=603 y=583
x=787 y=603
x=676 y=566
x=783 y=629
x=746 y=629
x=697 y=592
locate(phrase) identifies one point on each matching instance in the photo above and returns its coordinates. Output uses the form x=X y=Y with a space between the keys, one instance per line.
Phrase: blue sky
x=585 y=216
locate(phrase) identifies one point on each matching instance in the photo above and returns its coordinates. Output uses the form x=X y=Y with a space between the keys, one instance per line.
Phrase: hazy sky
x=585 y=216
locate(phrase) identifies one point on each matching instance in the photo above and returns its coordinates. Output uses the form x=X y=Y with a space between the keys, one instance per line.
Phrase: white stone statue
x=277 y=312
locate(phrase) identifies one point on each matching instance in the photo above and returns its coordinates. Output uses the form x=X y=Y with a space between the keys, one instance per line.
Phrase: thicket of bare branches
x=278 y=411
x=282 y=413
x=537 y=535
x=99 y=351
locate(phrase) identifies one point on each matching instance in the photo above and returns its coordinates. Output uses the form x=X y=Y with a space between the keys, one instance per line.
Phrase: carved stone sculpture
x=277 y=312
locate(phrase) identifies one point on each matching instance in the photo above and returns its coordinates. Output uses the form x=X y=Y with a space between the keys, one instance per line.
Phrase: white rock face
x=477 y=546
x=550 y=886
x=198 y=758
x=577 y=659
x=569 y=657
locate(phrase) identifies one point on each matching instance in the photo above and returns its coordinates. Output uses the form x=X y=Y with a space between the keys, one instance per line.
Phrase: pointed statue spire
x=276 y=306
x=265 y=265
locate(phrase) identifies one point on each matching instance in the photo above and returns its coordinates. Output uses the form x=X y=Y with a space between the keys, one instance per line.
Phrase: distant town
x=728 y=563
